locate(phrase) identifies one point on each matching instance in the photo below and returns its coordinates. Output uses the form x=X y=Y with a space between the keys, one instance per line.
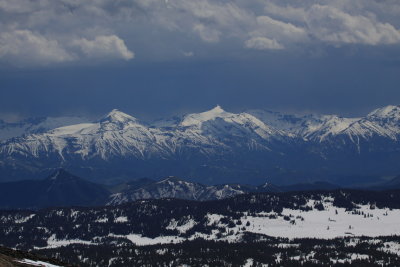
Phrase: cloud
x=207 y=34
x=271 y=33
x=338 y=24
x=278 y=27
x=263 y=43
x=26 y=46
x=79 y=30
x=104 y=47
x=287 y=12
x=335 y=26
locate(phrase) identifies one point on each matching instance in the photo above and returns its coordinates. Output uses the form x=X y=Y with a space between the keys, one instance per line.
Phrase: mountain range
x=63 y=189
x=211 y=147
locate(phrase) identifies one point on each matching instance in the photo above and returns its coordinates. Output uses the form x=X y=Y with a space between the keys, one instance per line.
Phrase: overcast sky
x=154 y=58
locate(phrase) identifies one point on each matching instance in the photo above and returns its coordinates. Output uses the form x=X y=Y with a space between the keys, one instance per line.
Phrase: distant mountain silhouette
x=59 y=189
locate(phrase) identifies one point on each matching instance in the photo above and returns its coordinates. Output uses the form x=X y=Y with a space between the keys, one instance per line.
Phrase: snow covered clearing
x=329 y=223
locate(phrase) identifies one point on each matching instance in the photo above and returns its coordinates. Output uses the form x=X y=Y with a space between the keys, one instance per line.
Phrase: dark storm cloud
x=348 y=85
x=154 y=58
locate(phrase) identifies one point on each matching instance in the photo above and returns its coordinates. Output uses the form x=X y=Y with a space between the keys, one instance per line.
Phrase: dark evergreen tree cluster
x=152 y=218
x=299 y=252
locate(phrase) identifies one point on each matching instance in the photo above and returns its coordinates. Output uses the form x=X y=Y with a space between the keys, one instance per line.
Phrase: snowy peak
x=389 y=112
x=221 y=125
x=216 y=110
x=197 y=119
x=116 y=116
x=330 y=125
x=117 y=120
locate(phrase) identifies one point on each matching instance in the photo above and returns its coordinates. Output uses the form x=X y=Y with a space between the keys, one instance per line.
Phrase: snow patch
x=37 y=263
x=140 y=240
x=53 y=242
x=121 y=219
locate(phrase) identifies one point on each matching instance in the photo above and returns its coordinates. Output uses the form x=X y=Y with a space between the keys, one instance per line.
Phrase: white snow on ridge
x=117 y=116
x=36 y=263
x=309 y=127
x=198 y=118
x=219 y=124
x=329 y=126
x=380 y=122
x=392 y=112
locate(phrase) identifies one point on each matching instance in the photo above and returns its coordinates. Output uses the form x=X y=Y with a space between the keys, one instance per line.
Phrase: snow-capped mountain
x=383 y=122
x=309 y=127
x=121 y=135
x=116 y=133
x=218 y=123
x=215 y=144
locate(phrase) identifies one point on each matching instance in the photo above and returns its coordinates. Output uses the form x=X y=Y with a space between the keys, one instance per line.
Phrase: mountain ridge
x=62 y=188
x=59 y=189
x=216 y=144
